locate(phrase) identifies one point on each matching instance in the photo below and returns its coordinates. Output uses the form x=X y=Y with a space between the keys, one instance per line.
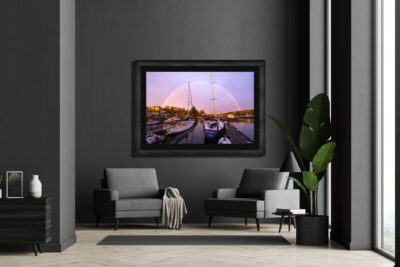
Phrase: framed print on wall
x=198 y=108
x=14 y=184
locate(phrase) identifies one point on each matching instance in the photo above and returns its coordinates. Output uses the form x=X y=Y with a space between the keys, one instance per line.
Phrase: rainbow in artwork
x=199 y=107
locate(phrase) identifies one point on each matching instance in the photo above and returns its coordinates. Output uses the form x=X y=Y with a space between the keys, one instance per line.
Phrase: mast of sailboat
x=212 y=85
x=189 y=98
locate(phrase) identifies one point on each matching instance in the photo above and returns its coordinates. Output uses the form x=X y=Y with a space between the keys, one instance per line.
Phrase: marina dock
x=195 y=135
x=155 y=130
x=236 y=136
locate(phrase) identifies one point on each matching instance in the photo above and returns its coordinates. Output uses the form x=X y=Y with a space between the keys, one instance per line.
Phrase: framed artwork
x=198 y=108
x=14 y=184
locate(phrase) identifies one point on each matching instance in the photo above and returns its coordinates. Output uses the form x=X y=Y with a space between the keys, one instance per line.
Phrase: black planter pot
x=312 y=230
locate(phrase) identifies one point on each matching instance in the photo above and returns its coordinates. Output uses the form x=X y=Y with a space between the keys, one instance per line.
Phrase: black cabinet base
x=25 y=222
x=34 y=248
x=312 y=230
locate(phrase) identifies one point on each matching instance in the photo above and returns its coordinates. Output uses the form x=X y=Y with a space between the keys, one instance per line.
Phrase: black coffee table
x=290 y=215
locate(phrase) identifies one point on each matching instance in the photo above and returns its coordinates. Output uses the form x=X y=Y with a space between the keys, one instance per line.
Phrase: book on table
x=292 y=211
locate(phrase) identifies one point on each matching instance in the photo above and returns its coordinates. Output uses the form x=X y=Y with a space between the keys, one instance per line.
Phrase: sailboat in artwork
x=212 y=126
x=181 y=125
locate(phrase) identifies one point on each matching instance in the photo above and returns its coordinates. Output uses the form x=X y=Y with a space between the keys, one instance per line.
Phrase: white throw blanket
x=173 y=208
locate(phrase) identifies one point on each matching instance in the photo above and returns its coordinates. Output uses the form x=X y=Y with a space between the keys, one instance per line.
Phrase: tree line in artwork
x=168 y=112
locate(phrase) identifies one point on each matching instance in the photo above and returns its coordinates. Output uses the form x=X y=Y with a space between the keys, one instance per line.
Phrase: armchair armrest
x=286 y=199
x=106 y=194
x=224 y=193
x=104 y=201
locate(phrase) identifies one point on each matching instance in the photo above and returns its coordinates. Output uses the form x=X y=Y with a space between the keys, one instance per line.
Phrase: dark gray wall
x=29 y=96
x=299 y=71
x=299 y=62
x=30 y=100
x=111 y=34
x=352 y=110
x=341 y=123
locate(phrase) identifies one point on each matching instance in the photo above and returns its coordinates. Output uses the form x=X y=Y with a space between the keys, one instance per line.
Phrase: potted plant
x=316 y=149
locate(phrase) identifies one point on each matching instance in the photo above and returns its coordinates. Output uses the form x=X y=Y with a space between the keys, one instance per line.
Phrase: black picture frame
x=14 y=184
x=139 y=146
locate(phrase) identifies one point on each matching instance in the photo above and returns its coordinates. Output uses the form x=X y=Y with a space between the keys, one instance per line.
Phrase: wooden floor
x=86 y=253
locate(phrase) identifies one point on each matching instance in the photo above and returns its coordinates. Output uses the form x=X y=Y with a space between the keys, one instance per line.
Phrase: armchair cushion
x=138 y=204
x=225 y=193
x=254 y=181
x=234 y=204
x=133 y=183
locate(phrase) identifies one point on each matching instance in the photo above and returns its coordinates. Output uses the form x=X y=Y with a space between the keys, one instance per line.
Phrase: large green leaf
x=289 y=136
x=323 y=156
x=316 y=126
x=300 y=185
x=310 y=180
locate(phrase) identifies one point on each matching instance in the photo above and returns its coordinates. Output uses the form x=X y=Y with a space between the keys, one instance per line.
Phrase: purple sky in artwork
x=233 y=90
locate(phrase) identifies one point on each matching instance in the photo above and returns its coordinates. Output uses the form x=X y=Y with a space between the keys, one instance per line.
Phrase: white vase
x=35 y=187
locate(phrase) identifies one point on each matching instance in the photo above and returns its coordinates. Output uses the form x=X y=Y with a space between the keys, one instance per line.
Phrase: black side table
x=25 y=221
x=291 y=217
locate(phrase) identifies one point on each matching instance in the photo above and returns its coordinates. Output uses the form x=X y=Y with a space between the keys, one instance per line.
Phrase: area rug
x=193 y=240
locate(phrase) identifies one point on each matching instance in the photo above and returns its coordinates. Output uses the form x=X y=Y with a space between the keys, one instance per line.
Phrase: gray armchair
x=260 y=193
x=128 y=193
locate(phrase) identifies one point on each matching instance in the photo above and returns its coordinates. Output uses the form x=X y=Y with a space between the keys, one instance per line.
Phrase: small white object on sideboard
x=35 y=187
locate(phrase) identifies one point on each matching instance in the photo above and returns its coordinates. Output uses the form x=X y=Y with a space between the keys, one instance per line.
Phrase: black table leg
x=157 y=221
x=294 y=222
x=116 y=224
x=280 y=225
x=97 y=221
x=39 y=248
x=245 y=221
x=209 y=221
x=258 y=224
x=34 y=249
x=290 y=221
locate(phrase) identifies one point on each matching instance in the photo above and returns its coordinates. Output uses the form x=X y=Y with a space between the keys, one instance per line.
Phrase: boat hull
x=178 y=128
x=152 y=123
x=224 y=141
x=211 y=132
x=154 y=139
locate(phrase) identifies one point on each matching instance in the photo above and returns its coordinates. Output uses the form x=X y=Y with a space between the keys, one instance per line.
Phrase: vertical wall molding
x=352 y=110
x=397 y=186
x=317 y=70
x=67 y=123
